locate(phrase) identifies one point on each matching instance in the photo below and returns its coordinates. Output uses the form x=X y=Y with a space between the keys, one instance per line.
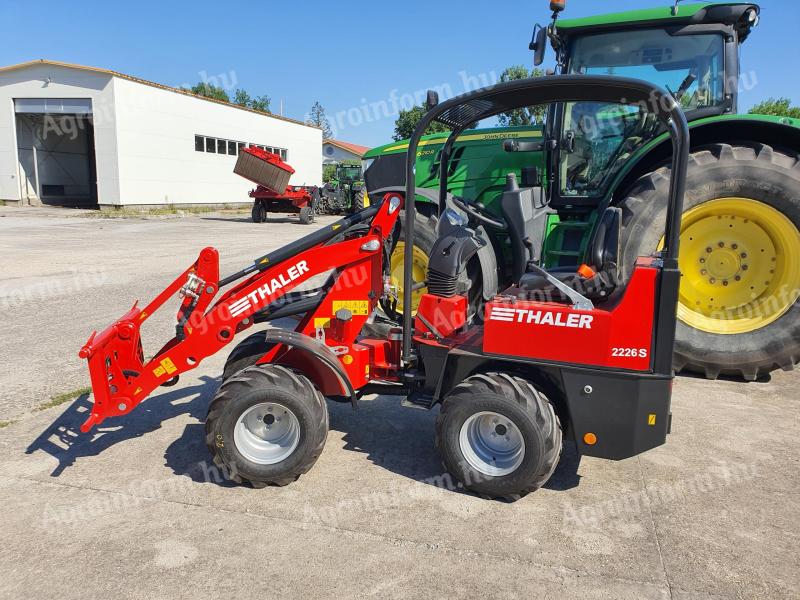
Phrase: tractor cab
x=690 y=50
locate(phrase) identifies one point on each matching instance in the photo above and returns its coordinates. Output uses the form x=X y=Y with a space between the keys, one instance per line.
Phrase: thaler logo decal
x=266 y=290
x=541 y=317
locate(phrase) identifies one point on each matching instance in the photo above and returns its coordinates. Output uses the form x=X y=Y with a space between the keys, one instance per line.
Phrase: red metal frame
x=121 y=378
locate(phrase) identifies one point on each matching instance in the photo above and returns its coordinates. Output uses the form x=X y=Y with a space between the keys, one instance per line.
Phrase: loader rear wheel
x=267 y=425
x=499 y=436
x=259 y=212
x=740 y=258
x=246 y=354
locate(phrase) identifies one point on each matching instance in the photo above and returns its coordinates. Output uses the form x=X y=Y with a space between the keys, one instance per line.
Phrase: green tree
x=780 y=107
x=531 y=115
x=242 y=98
x=260 y=103
x=328 y=173
x=317 y=118
x=210 y=90
x=407 y=122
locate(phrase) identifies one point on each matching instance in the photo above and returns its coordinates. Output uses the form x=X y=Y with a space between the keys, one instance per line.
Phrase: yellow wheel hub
x=419 y=272
x=740 y=260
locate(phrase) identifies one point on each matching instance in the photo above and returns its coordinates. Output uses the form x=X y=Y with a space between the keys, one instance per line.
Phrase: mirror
x=432 y=100
x=539 y=44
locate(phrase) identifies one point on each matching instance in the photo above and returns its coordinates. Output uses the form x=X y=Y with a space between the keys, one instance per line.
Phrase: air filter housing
x=264 y=168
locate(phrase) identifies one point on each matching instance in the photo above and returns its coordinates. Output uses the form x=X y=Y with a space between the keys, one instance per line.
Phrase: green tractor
x=346 y=192
x=739 y=313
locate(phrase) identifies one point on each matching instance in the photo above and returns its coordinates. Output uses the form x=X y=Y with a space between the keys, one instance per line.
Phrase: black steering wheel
x=480 y=213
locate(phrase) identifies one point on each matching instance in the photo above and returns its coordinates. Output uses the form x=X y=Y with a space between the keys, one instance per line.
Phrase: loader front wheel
x=499 y=436
x=267 y=425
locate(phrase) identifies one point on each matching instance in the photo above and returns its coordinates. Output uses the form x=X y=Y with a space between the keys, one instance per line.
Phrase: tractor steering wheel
x=480 y=213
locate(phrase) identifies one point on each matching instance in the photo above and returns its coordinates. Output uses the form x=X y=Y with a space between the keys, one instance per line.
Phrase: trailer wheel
x=267 y=426
x=740 y=257
x=246 y=354
x=306 y=215
x=259 y=212
x=499 y=436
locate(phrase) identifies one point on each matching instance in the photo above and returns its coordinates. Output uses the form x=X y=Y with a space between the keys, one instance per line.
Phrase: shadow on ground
x=397 y=439
x=63 y=439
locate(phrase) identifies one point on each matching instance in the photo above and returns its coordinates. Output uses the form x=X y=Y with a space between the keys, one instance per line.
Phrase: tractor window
x=598 y=138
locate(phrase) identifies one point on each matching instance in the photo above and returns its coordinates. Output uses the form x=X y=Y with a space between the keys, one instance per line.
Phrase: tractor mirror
x=558 y=5
x=432 y=100
x=538 y=44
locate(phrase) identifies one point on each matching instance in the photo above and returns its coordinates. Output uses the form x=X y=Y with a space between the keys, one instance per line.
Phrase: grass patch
x=4 y=424
x=62 y=398
x=166 y=211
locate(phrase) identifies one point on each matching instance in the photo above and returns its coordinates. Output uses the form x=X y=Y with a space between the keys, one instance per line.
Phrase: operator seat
x=596 y=279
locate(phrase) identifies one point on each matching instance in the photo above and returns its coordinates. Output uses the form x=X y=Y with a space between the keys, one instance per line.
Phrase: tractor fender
x=429 y=194
x=314 y=359
x=777 y=132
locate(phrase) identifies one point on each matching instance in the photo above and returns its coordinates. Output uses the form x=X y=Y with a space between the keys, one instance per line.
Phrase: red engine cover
x=618 y=336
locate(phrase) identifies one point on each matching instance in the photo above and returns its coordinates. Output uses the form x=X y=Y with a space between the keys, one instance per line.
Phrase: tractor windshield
x=600 y=137
x=350 y=173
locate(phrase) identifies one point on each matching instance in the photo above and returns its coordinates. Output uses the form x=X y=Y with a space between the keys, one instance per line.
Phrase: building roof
x=348 y=147
x=54 y=63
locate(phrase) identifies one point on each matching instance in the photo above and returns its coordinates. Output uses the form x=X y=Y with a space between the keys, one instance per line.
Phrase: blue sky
x=359 y=60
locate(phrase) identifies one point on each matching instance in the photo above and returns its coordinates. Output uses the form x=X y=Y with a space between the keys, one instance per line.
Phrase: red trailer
x=273 y=194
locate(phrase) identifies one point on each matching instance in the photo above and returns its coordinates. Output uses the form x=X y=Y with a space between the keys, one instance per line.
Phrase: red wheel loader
x=557 y=355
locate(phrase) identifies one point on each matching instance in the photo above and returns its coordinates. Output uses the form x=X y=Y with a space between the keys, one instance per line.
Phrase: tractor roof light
x=558 y=5
x=752 y=17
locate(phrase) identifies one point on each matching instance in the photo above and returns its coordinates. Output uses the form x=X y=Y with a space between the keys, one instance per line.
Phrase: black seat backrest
x=604 y=247
x=519 y=211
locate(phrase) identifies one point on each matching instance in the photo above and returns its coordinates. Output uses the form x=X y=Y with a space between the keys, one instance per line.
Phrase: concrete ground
x=134 y=510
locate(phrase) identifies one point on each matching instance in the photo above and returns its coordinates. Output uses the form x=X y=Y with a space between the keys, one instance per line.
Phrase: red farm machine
x=274 y=194
x=557 y=355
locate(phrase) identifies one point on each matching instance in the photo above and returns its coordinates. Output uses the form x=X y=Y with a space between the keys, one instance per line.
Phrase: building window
x=211 y=145
x=232 y=148
x=241 y=146
x=199 y=143
x=222 y=147
x=284 y=155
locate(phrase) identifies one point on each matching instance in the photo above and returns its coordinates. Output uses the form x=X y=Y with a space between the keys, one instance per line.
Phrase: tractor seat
x=596 y=279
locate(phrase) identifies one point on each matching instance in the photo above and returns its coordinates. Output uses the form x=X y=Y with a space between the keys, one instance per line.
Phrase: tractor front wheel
x=499 y=436
x=267 y=425
x=738 y=313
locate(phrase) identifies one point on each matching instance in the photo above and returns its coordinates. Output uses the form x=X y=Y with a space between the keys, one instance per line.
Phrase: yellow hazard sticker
x=651 y=419
x=335 y=226
x=143 y=316
x=322 y=322
x=166 y=367
x=357 y=307
x=138 y=391
x=348 y=360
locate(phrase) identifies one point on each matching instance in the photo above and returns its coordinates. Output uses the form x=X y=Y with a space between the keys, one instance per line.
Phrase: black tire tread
x=532 y=400
x=638 y=209
x=262 y=376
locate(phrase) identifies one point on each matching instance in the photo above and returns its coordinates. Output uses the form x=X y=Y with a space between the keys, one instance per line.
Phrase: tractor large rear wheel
x=424 y=238
x=740 y=258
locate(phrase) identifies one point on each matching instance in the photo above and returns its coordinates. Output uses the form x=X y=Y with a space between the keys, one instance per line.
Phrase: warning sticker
x=322 y=322
x=651 y=419
x=357 y=307
x=166 y=367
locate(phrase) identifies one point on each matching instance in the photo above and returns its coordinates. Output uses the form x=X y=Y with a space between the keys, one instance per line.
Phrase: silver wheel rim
x=266 y=433
x=492 y=444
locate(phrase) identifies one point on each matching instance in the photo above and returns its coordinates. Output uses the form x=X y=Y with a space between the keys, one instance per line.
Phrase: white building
x=83 y=136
